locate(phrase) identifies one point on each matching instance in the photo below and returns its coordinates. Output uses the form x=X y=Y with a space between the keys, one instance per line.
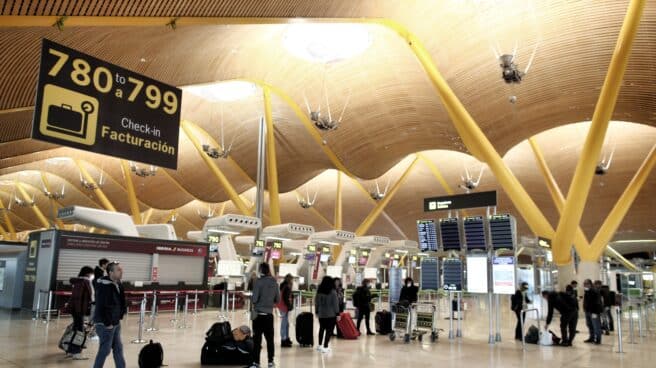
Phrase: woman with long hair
x=82 y=296
x=327 y=307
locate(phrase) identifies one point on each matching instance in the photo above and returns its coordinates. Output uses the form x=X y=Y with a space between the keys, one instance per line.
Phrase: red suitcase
x=347 y=327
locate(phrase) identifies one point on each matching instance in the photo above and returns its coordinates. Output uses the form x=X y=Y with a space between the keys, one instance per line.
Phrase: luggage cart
x=424 y=318
x=401 y=323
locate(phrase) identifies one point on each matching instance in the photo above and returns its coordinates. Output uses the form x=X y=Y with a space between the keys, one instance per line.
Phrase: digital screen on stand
x=276 y=250
x=258 y=248
x=427 y=235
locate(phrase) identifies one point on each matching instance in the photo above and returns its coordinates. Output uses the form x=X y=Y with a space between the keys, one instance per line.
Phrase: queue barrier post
x=142 y=317
x=175 y=310
x=153 y=313
x=618 y=312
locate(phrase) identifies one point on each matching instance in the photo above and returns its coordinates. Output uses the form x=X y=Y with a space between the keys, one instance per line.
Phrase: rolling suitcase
x=346 y=326
x=383 y=322
x=304 y=329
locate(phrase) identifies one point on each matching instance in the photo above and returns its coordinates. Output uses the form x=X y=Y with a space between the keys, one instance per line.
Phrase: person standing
x=265 y=296
x=326 y=304
x=408 y=292
x=593 y=307
x=82 y=296
x=518 y=303
x=285 y=306
x=110 y=309
x=608 y=303
x=339 y=289
x=361 y=300
x=566 y=305
x=100 y=271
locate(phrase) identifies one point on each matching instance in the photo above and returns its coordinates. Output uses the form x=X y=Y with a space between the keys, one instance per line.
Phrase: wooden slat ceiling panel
x=15 y=125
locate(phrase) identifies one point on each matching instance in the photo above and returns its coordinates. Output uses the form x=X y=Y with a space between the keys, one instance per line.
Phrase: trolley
x=414 y=322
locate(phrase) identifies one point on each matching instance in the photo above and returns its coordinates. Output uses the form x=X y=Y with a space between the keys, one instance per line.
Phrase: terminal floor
x=27 y=343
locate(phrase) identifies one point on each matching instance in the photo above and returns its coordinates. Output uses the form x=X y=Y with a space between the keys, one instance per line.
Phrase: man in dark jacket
x=110 y=309
x=608 y=303
x=518 y=302
x=593 y=307
x=566 y=305
x=361 y=300
x=99 y=271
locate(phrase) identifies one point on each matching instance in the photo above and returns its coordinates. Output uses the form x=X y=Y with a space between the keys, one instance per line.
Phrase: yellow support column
x=380 y=206
x=338 y=202
x=437 y=174
x=147 y=216
x=132 y=194
x=559 y=201
x=39 y=215
x=271 y=162
x=616 y=215
x=580 y=186
x=170 y=216
x=96 y=188
x=4 y=234
x=218 y=174
x=10 y=225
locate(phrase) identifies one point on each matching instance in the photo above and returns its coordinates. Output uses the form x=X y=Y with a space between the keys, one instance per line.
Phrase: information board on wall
x=427 y=235
x=477 y=275
x=503 y=275
x=87 y=103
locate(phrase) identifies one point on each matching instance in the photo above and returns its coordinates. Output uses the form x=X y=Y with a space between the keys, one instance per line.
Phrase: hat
x=245 y=330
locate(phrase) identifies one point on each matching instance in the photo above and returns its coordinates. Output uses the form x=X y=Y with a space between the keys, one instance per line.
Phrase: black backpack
x=532 y=336
x=151 y=356
x=219 y=333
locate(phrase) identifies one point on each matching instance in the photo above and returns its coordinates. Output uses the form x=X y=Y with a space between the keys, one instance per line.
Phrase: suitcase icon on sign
x=66 y=120
x=68 y=115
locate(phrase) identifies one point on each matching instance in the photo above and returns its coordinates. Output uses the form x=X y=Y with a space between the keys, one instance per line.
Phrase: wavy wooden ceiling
x=393 y=109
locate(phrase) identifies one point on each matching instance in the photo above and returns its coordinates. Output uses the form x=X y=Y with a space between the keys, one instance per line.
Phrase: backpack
x=151 y=355
x=219 y=333
x=532 y=336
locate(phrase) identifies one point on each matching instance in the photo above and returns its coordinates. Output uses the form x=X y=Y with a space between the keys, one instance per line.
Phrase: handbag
x=545 y=338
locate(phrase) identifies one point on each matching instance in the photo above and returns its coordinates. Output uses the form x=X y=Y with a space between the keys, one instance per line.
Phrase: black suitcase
x=304 y=329
x=229 y=353
x=383 y=322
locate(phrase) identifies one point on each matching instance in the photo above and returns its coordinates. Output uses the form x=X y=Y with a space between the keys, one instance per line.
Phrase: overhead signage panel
x=90 y=104
x=461 y=201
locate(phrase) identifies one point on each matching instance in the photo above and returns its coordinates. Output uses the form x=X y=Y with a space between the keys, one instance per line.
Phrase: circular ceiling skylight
x=325 y=43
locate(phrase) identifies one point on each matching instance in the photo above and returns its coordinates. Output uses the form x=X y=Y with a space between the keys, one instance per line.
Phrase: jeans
x=263 y=325
x=364 y=313
x=284 y=325
x=326 y=327
x=110 y=341
x=594 y=326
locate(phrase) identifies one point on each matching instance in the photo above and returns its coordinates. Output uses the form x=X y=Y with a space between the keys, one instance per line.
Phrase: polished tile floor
x=27 y=343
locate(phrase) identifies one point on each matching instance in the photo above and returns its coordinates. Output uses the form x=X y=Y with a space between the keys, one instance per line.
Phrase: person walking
x=593 y=307
x=100 y=271
x=266 y=295
x=285 y=306
x=518 y=303
x=326 y=304
x=110 y=309
x=82 y=296
x=566 y=305
x=361 y=300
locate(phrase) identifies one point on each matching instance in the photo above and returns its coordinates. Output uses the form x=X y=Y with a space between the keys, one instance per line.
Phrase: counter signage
x=90 y=104
x=132 y=246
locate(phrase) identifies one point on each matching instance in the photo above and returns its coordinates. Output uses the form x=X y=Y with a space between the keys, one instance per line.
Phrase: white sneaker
x=320 y=348
x=94 y=338
x=271 y=365
x=326 y=350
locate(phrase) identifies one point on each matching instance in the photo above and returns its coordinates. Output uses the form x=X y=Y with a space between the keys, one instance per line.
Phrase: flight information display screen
x=427 y=235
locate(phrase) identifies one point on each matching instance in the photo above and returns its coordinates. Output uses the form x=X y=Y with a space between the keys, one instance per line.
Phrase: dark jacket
x=265 y=295
x=606 y=296
x=110 y=302
x=592 y=301
x=516 y=303
x=81 y=296
x=98 y=273
x=561 y=301
x=362 y=298
x=409 y=293
x=286 y=297
x=326 y=305
x=340 y=299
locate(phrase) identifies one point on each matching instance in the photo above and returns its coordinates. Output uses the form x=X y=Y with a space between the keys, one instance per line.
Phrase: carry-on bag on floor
x=532 y=336
x=383 y=322
x=230 y=353
x=346 y=326
x=151 y=355
x=304 y=329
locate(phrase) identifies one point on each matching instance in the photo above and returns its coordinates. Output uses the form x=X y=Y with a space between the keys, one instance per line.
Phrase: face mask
x=586 y=289
x=91 y=277
x=369 y=286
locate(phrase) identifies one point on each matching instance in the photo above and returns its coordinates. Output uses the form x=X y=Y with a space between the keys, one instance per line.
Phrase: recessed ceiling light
x=326 y=42
x=223 y=91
